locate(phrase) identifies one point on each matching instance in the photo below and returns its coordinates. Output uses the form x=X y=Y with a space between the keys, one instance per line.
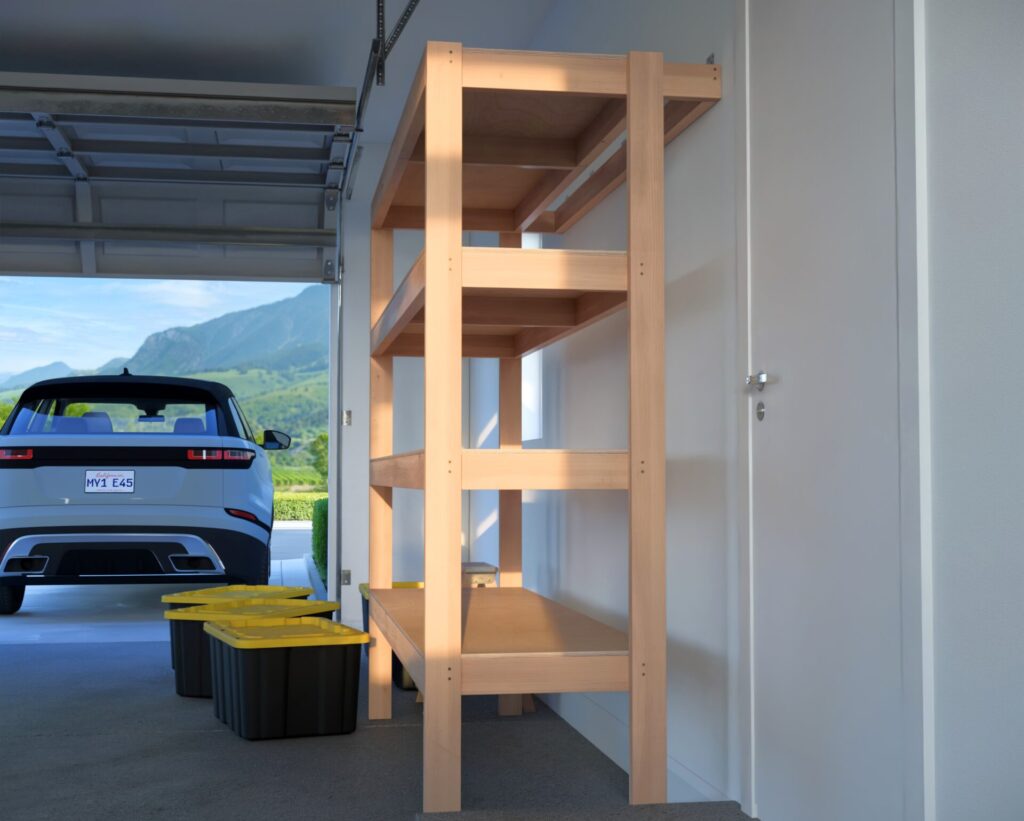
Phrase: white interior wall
x=975 y=118
x=575 y=543
x=408 y=397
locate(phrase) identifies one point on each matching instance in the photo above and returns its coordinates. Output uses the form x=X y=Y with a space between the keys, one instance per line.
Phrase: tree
x=321 y=456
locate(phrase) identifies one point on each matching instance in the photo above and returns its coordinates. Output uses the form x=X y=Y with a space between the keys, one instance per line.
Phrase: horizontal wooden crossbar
x=513 y=469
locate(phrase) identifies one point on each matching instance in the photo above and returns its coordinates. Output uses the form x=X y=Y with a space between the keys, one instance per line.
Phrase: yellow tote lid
x=251 y=609
x=212 y=595
x=262 y=634
x=364 y=588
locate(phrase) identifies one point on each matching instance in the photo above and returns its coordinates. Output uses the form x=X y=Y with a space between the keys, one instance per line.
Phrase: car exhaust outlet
x=26 y=564
x=192 y=564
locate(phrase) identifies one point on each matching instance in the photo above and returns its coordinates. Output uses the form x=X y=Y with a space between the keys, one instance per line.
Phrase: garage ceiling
x=193 y=161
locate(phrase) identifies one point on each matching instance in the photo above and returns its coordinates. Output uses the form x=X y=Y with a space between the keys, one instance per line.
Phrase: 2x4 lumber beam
x=398 y=470
x=410 y=126
x=527 y=673
x=381 y=442
x=399 y=642
x=535 y=469
x=596 y=187
x=510 y=502
x=519 y=152
x=590 y=308
x=510 y=437
x=645 y=158
x=602 y=131
x=548 y=312
x=400 y=309
x=485 y=346
x=527 y=269
x=473 y=219
x=442 y=713
x=598 y=74
x=679 y=115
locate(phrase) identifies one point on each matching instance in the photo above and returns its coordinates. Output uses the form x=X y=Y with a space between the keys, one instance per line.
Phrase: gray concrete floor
x=91 y=728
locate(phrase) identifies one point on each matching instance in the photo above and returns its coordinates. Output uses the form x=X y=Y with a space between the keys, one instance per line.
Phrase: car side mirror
x=275 y=440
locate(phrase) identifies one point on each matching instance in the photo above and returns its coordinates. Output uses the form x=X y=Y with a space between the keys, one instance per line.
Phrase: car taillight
x=205 y=455
x=239 y=455
x=242 y=514
x=15 y=454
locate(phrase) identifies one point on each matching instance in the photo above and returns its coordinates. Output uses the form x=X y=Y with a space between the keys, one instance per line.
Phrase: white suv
x=132 y=479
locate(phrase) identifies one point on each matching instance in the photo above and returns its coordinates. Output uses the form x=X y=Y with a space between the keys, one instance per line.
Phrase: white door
x=824 y=496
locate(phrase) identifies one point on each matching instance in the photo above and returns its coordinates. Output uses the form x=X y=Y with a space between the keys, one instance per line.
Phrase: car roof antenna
x=125 y=372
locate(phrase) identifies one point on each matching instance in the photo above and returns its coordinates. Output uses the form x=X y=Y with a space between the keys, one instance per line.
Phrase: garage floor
x=92 y=729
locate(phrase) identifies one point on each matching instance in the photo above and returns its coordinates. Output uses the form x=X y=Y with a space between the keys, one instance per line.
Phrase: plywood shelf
x=533 y=124
x=514 y=300
x=513 y=641
x=513 y=469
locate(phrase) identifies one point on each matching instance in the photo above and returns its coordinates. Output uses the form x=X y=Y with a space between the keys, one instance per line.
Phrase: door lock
x=759 y=380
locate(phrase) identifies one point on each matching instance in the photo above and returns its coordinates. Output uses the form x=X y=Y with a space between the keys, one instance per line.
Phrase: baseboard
x=610 y=735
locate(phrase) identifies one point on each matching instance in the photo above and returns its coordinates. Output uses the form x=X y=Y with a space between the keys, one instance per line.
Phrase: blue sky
x=86 y=323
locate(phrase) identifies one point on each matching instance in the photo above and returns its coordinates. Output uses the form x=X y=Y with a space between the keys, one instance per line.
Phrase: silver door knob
x=759 y=380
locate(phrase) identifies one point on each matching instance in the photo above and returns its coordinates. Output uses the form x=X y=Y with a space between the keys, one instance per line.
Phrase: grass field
x=296 y=477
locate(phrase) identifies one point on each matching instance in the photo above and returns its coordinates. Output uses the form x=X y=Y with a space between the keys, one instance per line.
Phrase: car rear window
x=99 y=415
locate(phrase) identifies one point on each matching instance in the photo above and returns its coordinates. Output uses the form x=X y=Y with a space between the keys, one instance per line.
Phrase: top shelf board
x=533 y=124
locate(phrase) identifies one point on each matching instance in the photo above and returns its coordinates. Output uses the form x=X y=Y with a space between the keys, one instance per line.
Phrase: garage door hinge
x=330 y=275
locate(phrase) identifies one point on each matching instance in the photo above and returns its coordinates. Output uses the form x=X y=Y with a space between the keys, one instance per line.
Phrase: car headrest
x=98 y=422
x=69 y=424
x=189 y=425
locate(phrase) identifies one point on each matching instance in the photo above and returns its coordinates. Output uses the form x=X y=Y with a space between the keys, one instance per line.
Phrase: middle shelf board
x=514 y=469
x=513 y=641
x=514 y=301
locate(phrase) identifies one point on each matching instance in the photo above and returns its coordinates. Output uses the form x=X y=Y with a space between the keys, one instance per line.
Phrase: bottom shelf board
x=513 y=641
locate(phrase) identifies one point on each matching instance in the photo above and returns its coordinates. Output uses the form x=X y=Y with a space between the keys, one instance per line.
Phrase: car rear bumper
x=94 y=553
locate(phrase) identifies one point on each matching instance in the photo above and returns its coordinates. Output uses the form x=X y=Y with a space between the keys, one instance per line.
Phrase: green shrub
x=320 y=537
x=295 y=507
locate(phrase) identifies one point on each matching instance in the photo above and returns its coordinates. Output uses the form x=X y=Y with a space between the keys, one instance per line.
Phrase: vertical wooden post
x=510 y=435
x=381 y=444
x=442 y=714
x=647 y=632
x=510 y=502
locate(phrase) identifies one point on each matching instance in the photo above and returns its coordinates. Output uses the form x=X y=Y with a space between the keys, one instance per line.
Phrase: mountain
x=289 y=333
x=55 y=370
x=111 y=368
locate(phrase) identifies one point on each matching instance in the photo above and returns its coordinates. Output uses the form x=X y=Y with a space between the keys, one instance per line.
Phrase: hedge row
x=320 y=537
x=294 y=507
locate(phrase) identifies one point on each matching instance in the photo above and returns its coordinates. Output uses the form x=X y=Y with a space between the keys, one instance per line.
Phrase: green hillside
x=293 y=401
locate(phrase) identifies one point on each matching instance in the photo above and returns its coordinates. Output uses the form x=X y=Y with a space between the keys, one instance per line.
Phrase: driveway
x=57 y=614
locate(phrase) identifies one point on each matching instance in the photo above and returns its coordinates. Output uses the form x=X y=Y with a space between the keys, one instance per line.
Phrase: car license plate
x=110 y=481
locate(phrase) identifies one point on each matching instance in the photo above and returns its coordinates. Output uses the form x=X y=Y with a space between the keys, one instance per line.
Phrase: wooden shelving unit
x=504 y=141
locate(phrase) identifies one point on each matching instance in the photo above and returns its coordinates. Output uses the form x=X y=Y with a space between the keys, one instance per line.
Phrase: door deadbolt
x=760 y=411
